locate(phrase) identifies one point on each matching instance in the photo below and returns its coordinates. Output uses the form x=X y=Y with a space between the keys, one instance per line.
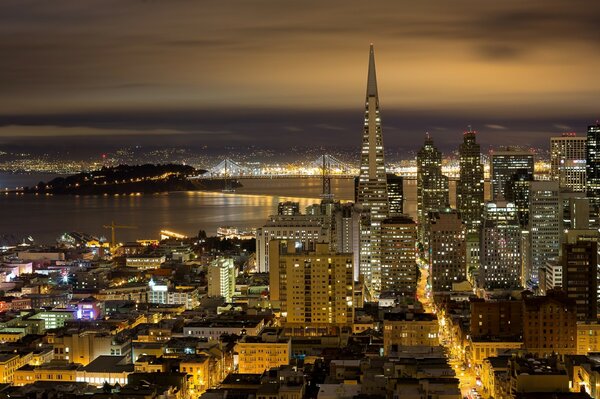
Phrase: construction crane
x=113 y=227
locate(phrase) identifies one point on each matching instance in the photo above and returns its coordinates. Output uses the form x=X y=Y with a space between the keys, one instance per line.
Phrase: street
x=466 y=375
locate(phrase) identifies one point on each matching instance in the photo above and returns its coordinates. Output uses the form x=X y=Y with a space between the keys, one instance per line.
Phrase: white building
x=305 y=229
x=162 y=293
x=221 y=278
x=146 y=262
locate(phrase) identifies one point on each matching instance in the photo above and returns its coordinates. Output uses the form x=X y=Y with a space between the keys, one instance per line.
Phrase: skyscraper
x=544 y=227
x=567 y=161
x=592 y=155
x=372 y=183
x=447 y=249
x=432 y=185
x=504 y=166
x=395 y=194
x=517 y=191
x=469 y=190
x=500 y=246
x=221 y=278
x=398 y=260
x=580 y=276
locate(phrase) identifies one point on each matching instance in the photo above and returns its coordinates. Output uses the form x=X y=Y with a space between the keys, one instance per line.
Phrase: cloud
x=327 y=126
x=562 y=126
x=495 y=127
x=62 y=131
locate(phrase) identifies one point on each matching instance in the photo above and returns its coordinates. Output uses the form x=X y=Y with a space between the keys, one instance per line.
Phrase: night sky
x=281 y=73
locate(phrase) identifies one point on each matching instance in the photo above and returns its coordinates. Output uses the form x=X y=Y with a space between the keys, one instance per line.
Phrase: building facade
x=395 y=194
x=500 y=246
x=550 y=324
x=447 y=250
x=544 y=227
x=504 y=165
x=398 y=255
x=372 y=191
x=432 y=185
x=314 y=290
x=221 y=278
x=469 y=189
x=567 y=161
x=579 y=263
x=409 y=329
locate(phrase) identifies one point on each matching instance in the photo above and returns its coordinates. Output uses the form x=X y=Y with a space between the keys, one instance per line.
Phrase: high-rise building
x=592 y=152
x=544 y=227
x=592 y=155
x=347 y=222
x=447 y=250
x=395 y=194
x=469 y=189
x=372 y=183
x=504 y=165
x=314 y=289
x=500 y=246
x=432 y=185
x=567 y=161
x=580 y=277
x=306 y=230
x=575 y=211
x=398 y=255
x=517 y=192
x=221 y=278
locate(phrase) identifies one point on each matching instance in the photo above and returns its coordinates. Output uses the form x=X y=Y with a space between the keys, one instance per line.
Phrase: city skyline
x=240 y=74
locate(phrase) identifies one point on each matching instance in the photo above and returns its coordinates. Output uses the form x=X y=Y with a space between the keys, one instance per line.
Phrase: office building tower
x=469 y=189
x=288 y=208
x=504 y=165
x=395 y=194
x=567 y=162
x=447 y=250
x=592 y=155
x=347 y=222
x=592 y=151
x=313 y=289
x=398 y=255
x=544 y=227
x=432 y=185
x=500 y=246
x=517 y=192
x=372 y=184
x=221 y=276
x=575 y=211
x=579 y=263
x=305 y=230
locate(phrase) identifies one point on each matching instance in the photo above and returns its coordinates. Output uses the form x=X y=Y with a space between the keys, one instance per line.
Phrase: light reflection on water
x=46 y=217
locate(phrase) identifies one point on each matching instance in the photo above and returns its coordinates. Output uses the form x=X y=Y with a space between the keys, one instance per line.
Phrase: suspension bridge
x=326 y=166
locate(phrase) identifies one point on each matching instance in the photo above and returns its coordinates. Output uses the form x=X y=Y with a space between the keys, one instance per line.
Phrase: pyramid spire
x=372 y=78
x=372 y=191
